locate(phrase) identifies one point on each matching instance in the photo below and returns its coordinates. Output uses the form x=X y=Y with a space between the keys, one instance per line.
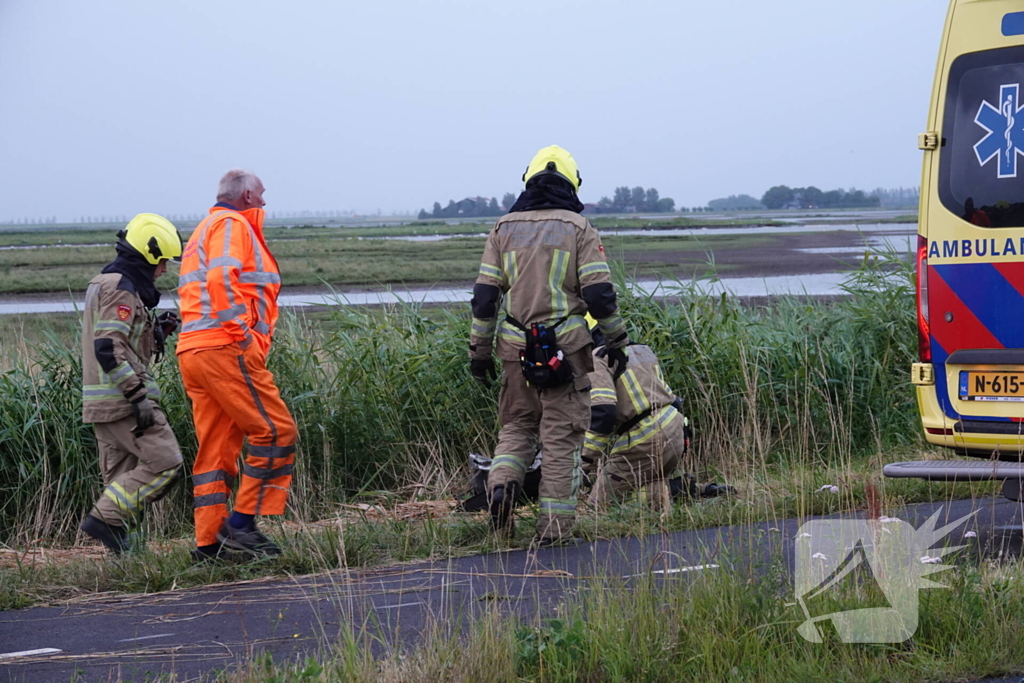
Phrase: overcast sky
x=117 y=107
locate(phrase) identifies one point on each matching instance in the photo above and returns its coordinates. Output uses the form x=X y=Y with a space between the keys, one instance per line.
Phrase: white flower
x=930 y=560
x=885 y=520
x=818 y=556
x=828 y=487
x=804 y=535
x=779 y=530
x=971 y=534
x=834 y=489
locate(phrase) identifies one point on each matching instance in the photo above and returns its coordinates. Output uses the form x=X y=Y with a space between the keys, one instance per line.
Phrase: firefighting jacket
x=228 y=283
x=542 y=266
x=628 y=412
x=117 y=346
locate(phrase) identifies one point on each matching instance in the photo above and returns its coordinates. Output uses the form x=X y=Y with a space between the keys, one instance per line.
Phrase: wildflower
x=930 y=560
x=971 y=534
x=818 y=556
x=884 y=519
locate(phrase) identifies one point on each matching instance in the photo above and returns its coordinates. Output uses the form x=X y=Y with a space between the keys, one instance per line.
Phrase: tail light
x=924 y=344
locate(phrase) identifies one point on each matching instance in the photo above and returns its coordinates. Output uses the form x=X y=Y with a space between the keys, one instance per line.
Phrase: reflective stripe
x=633 y=390
x=201 y=324
x=209 y=499
x=116 y=325
x=484 y=328
x=262 y=327
x=591 y=268
x=154 y=486
x=511 y=276
x=121 y=372
x=271 y=451
x=225 y=261
x=93 y=390
x=257 y=401
x=612 y=327
x=194 y=276
x=230 y=313
x=597 y=442
x=265 y=474
x=508 y=461
x=577 y=470
x=488 y=270
x=600 y=393
x=556 y=278
x=557 y=506
x=228 y=224
x=211 y=477
x=646 y=430
x=260 y=277
x=122 y=499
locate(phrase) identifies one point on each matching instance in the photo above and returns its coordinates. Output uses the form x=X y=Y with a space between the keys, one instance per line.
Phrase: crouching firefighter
x=139 y=456
x=544 y=267
x=638 y=435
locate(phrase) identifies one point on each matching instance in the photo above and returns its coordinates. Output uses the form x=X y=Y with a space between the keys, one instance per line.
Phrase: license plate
x=991 y=386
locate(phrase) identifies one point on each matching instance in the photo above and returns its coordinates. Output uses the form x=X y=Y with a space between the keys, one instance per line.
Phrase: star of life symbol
x=898 y=557
x=1004 y=126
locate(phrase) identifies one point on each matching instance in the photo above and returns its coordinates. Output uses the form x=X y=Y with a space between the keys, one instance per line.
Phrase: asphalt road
x=197 y=631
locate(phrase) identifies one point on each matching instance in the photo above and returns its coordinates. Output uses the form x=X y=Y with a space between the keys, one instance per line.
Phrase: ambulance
x=970 y=251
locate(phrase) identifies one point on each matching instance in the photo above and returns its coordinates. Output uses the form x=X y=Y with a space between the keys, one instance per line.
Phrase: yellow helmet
x=591 y=322
x=556 y=161
x=154 y=237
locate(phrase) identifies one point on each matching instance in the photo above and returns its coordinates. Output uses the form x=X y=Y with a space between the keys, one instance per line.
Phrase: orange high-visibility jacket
x=229 y=282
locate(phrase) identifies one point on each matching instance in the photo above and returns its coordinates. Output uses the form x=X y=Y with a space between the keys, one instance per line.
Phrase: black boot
x=503 y=502
x=115 y=538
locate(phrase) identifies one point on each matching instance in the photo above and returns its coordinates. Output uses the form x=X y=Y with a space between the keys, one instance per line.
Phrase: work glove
x=168 y=322
x=483 y=370
x=144 y=411
x=616 y=360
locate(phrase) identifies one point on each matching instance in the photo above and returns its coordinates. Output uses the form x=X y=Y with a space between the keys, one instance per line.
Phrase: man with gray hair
x=228 y=289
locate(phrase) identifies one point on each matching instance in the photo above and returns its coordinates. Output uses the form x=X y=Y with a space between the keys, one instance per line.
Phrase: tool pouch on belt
x=543 y=363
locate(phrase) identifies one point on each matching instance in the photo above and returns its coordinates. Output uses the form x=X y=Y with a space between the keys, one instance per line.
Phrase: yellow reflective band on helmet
x=557 y=161
x=154 y=237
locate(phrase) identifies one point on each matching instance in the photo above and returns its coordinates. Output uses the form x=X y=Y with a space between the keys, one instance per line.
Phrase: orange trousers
x=234 y=398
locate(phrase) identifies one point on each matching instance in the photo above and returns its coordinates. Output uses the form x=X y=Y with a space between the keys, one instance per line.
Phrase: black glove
x=168 y=322
x=483 y=370
x=144 y=411
x=616 y=360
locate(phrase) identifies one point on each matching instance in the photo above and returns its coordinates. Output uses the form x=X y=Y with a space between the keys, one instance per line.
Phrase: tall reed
x=384 y=399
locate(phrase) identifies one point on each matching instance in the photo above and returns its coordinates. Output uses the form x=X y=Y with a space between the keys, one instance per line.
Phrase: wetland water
x=789 y=276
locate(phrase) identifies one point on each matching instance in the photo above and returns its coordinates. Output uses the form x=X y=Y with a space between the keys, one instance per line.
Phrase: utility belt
x=543 y=363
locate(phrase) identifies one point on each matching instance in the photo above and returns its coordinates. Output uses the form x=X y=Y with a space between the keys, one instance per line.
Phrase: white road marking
x=159 y=635
x=404 y=604
x=30 y=653
x=680 y=570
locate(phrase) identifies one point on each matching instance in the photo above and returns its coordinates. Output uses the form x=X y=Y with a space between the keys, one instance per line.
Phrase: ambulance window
x=981 y=166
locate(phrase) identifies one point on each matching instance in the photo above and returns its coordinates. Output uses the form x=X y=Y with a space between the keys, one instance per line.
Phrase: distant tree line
x=470 y=207
x=898 y=197
x=784 y=197
x=736 y=202
x=635 y=200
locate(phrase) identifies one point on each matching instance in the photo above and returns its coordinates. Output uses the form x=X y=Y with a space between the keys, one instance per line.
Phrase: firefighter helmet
x=154 y=237
x=556 y=161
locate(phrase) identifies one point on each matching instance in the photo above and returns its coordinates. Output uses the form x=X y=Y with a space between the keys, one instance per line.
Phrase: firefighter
x=228 y=287
x=139 y=456
x=543 y=268
x=637 y=433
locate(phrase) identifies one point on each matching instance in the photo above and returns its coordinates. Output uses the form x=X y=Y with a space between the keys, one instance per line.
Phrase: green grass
x=721 y=625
